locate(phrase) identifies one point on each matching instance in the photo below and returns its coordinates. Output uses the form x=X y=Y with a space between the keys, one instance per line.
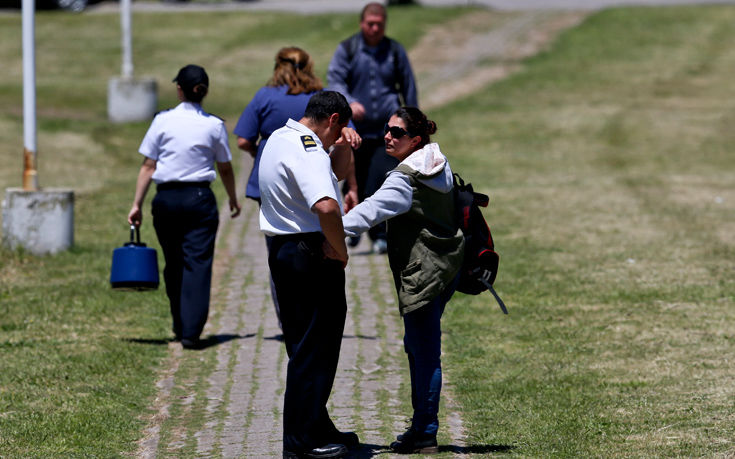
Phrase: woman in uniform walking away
x=181 y=148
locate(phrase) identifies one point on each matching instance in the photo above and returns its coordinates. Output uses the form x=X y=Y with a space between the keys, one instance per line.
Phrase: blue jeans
x=422 y=342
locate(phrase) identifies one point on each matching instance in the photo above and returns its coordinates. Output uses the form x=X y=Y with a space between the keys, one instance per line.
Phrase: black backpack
x=480 y=265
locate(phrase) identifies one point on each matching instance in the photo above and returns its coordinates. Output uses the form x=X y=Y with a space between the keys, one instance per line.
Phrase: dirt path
x=226 y=400
x=475 y=50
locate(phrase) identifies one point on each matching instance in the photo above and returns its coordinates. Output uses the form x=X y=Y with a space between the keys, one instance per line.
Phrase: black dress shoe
x=191 y=343
x=349 y=439
x=326 y=451
x=414 y=442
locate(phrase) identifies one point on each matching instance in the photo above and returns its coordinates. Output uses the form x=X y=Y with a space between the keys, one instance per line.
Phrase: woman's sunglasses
x=396 y=132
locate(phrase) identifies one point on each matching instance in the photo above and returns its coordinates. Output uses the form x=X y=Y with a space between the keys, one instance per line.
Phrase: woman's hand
x=350 y=200
x=235 y=208
x=135 y=217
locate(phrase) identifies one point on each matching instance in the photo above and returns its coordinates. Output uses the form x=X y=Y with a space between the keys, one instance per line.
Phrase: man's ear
x=334 y=119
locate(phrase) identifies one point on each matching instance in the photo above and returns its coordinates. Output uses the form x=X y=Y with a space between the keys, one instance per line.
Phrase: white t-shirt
x=294 y=173
x=185 y=142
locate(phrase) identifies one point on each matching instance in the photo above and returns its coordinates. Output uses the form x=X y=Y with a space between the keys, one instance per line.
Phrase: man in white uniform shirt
x=301 y=212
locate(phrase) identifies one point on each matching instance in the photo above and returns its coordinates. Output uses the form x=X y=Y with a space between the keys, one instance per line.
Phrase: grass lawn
x=610 y=169
x=608 y=162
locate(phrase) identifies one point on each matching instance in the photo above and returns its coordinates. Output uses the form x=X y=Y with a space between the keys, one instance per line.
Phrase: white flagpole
x=30 y=177
x=127 y=39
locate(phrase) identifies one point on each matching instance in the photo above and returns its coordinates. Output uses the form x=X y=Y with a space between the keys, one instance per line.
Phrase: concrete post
x=42 y=222
x=131 y=99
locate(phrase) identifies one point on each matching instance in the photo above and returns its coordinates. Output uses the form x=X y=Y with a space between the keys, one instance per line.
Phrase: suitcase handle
x=135 y=237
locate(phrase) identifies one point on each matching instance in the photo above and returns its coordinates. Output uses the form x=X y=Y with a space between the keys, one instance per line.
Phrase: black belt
x=314 y=237
x=176 y=185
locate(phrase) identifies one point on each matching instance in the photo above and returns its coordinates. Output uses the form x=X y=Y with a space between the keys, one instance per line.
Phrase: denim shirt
x=370 y=79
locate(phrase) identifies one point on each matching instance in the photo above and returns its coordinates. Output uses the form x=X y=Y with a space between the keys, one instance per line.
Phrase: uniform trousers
x=311 y=295
x=185 y=217
x=372 y=163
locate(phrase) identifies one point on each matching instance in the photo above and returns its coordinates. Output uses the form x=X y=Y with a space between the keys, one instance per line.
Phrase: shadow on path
x=367 y=450
x=211 y=340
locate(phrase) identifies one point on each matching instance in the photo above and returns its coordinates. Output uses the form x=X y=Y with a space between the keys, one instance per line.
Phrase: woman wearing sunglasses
x=425 y=251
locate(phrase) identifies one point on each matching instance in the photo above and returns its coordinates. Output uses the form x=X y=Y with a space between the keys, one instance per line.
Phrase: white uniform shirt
x=294 y=173
x=185 y=142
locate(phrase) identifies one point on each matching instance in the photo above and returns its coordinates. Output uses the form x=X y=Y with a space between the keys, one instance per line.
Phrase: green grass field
x=608 y=161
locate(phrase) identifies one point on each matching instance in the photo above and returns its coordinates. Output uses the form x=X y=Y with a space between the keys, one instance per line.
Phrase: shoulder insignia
x=308 y=142
x=161 y=111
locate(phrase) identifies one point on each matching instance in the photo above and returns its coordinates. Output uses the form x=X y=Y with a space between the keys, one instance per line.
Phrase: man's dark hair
x=324 y=103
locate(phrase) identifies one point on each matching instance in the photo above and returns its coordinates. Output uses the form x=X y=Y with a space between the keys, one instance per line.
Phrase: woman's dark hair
x=196 y=94
x=417 y=124
x=294 y=69
x=194 y=82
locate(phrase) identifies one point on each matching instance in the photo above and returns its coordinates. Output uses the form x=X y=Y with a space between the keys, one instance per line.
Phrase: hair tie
x=294 y=64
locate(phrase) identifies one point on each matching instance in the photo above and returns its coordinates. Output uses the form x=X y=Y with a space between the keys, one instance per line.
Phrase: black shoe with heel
x=411 y=442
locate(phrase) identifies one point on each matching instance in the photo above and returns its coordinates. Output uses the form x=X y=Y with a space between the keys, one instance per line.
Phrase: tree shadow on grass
x=367 y=450
x=209 y=341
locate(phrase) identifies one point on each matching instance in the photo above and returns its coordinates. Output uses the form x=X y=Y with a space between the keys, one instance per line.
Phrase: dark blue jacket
x=372 y=77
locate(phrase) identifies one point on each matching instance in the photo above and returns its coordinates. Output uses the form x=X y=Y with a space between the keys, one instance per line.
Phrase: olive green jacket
x=425 y=245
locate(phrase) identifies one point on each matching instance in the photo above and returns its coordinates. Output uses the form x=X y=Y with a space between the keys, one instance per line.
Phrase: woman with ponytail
x=181 y=148
x=425 y=252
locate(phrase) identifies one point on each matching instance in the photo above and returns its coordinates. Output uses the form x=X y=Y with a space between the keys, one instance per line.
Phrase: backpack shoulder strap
x=397 y=74
x=351 y=45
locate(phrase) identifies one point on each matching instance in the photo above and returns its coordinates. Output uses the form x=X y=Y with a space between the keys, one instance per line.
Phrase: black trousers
x=371 y=165
x=311 y=295
x=186 y=219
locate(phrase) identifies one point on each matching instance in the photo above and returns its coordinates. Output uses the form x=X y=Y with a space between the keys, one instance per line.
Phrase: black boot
x=415 y=442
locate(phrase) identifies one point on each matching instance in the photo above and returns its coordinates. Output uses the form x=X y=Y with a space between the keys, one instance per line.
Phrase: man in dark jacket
x=373 y=72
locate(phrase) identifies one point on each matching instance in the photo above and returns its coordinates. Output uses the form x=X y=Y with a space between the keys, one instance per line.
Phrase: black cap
x=191 y=76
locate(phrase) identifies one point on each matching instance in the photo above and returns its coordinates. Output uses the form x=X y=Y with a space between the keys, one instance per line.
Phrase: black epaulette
x=308 y=143
x=161 y=111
